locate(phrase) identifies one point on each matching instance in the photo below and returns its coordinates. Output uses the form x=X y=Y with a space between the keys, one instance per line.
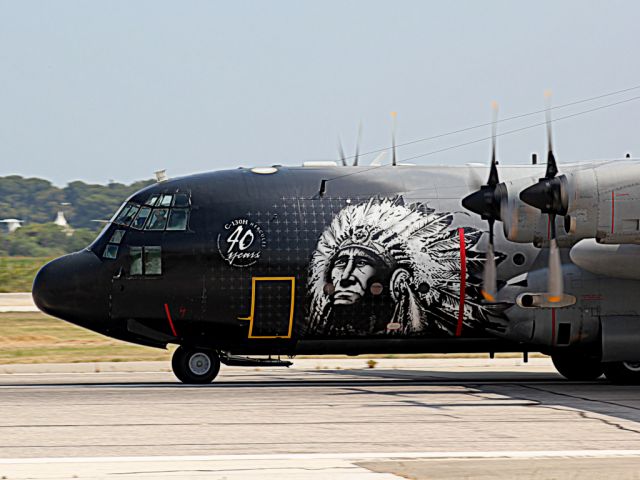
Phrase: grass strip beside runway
x=39 y=338
x=17 y=273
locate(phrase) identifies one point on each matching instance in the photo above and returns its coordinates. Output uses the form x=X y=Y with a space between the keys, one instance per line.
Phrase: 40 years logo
x=241 y=243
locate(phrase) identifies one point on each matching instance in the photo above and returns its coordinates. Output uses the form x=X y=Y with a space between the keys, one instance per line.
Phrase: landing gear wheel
x=192 y=365
x=577 y=366
x=626 y=373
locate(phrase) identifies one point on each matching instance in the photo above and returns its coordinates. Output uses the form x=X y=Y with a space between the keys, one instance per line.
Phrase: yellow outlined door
x=272 y=307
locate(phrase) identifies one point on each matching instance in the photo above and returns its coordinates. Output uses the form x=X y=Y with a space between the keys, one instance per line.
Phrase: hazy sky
x=118 y=89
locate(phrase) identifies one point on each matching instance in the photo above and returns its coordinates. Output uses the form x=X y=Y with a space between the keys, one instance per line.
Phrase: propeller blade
x=555 y=285
x=474 y=181
x=552 y=166
x=493 y=171
x=488 y=202
x=355 y=160
x=394 y=159
x=549 y=194
x=376 y=162
x=341 y=151
x=489 y=282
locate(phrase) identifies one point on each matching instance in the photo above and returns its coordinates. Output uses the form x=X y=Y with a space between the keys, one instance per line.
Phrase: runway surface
x=420 y=418
x=17 y=302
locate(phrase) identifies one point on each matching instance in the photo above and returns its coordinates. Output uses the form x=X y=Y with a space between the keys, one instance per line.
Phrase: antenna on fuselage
x=161 y=176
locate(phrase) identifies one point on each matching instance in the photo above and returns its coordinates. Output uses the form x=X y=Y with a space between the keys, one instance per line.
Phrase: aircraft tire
x=577 y=366
x=195 y=366
x=624 y=373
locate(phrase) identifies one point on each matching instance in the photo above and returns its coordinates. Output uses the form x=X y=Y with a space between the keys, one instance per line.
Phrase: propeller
x=487 y=202
x=377 y=162
x=356 y=157
x=341 y=151
x=394 y=158
x=355 y=160
x=549 y=195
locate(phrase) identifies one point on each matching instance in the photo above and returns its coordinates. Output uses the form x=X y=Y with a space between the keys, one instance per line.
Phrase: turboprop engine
x=598 y=202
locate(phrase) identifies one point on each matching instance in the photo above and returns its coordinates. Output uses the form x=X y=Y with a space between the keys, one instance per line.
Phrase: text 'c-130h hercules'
x=275 y=261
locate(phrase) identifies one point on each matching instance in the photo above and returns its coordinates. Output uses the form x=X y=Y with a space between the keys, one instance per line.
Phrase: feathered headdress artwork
x=413 y=238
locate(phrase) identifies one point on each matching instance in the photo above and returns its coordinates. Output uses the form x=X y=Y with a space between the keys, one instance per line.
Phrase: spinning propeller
x=394 y=158
x=549 y=195
x=487 y=202
x=343 y=158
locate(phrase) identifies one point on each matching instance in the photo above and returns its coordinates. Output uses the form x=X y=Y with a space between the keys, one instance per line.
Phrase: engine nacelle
x=603 y=203
x=521 y=222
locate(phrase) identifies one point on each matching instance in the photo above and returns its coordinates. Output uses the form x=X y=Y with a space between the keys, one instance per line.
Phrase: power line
x=509 y=132
x=507 y=119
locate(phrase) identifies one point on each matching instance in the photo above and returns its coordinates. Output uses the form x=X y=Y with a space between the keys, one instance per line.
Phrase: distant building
x=11 y=224
x=61 y=221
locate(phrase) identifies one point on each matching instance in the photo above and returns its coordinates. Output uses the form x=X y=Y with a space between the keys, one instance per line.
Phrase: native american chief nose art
x=382 y=267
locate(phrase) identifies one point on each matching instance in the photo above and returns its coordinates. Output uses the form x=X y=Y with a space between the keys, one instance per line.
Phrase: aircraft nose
x=71 y=288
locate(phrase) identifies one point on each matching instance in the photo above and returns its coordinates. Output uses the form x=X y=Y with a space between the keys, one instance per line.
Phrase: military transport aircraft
x=237 y=265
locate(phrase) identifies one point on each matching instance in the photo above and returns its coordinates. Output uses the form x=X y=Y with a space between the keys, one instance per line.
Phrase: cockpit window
x=127 y=214
x=158 y=219
x=177 y=219
x=165 y=201
x=161 y=211
x=181 y=200
x=123 y=213
x=141 y=218
x=152 y=200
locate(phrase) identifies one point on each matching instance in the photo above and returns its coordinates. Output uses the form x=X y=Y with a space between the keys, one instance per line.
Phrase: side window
x=117 y=236
x=136 y=260
x=111 y=250
x=145 y=261
x=152 y=261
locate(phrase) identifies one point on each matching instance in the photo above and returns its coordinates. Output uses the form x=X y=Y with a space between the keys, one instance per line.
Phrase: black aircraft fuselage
x=287 y=261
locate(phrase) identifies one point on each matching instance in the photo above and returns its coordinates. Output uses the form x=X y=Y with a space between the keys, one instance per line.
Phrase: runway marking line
x=513 y=454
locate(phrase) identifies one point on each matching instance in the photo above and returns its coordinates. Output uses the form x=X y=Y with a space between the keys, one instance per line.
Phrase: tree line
x=36 y=202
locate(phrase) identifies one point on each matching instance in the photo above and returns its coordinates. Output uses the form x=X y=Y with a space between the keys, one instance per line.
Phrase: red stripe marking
x=613 y=208
x=553 y=326
x=463 y=280
x=173 y=329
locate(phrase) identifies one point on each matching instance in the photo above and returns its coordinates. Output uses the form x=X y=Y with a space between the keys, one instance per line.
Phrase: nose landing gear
x=195 y=366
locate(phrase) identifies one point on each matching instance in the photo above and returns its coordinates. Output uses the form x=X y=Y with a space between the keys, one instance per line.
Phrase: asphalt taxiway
x=414 y=418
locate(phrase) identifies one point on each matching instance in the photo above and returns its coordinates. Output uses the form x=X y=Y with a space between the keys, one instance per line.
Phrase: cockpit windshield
x=159 y=212
x=127 y=214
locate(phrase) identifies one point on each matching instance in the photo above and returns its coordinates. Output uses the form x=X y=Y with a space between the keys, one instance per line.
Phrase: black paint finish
x=244 y=267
